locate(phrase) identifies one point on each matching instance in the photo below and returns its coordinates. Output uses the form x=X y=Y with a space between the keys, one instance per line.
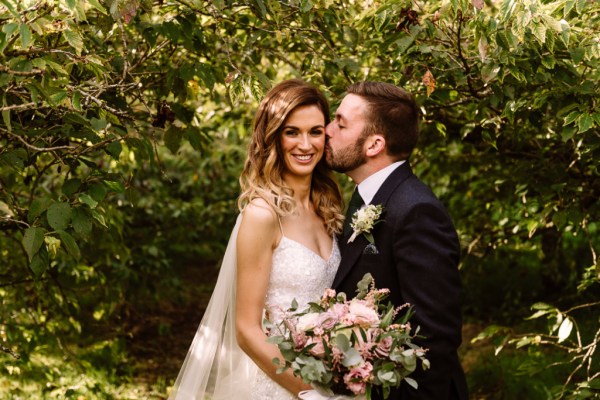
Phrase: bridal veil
x=215 y=368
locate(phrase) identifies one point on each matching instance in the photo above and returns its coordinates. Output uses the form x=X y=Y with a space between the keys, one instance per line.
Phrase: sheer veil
x=215 y=368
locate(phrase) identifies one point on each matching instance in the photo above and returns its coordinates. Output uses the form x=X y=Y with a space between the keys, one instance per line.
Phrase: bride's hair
x=262 y=176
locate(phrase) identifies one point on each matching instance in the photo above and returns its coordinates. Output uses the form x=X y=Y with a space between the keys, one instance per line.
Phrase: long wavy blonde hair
x=262 y=176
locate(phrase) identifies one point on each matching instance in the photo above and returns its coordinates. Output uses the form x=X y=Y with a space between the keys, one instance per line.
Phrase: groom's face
x=345 y=139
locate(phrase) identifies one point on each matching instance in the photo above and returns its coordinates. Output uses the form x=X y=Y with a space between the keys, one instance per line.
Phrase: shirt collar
x=369 y=187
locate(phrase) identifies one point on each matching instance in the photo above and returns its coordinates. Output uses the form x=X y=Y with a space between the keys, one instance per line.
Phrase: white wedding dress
x=297 y=273
x=215 y=367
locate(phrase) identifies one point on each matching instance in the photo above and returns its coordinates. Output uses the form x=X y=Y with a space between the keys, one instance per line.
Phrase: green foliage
x=123 y=126
x=510 y=377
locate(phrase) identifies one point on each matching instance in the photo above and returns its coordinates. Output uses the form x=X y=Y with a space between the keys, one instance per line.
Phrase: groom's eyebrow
x=339 y=116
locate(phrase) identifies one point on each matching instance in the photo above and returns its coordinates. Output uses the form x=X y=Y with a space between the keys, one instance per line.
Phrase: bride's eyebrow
x=320 y=126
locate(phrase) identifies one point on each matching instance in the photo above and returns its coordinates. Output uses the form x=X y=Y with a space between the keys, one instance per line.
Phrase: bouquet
x=349 y=347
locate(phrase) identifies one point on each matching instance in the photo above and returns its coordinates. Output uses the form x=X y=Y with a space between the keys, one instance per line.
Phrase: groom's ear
x=375 y=145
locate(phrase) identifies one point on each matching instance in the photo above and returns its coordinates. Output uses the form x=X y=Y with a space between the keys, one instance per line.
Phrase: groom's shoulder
x=412 y=192
x=414 y=188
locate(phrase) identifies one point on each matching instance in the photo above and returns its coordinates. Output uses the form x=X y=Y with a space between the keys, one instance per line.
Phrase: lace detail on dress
x=297 y=273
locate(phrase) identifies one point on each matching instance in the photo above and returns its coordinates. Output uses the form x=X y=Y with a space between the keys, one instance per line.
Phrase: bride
x=283 y=247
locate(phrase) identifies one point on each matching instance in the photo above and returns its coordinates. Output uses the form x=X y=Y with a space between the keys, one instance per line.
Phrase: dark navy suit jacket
x=417 y=260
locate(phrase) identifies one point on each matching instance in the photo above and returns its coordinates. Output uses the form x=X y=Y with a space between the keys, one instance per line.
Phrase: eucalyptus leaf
x=411 y=382
x=351 y=358
x=342 y=342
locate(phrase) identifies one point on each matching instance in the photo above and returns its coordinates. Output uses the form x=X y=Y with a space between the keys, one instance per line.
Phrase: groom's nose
x=328 y=129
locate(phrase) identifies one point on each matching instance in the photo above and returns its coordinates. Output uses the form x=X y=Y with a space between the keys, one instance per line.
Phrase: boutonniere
x=364 y=220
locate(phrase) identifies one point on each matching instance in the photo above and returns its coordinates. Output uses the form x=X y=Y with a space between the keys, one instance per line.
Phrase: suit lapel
x=351 y=251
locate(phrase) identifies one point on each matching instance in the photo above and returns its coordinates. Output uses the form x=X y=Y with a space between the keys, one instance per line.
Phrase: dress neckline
x=333 y=242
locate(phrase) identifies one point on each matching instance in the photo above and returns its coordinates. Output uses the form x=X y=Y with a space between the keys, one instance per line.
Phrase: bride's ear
x=375 y=144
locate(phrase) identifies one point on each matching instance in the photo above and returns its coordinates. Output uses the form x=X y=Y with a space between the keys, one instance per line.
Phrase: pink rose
x=339 y=310
x=318 y=350
x=299 y=339
x=384 y=346
x=363 y=315
x=327 y=320
x=357 y=378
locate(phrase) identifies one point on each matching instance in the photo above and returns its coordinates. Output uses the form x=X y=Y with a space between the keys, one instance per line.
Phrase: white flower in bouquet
x=307 y=322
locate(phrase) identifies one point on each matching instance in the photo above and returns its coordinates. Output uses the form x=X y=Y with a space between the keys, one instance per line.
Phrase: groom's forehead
x=352 y=105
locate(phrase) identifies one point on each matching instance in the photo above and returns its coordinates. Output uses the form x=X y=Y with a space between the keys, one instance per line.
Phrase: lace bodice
x=298 y=273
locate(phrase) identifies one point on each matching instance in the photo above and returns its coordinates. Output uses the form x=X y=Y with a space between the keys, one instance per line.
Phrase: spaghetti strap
x=280 y=227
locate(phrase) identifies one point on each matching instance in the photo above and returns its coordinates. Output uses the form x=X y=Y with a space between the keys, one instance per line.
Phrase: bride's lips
x=303 y=158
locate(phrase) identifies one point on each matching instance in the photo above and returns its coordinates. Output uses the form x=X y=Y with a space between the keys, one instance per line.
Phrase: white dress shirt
x=369 y=187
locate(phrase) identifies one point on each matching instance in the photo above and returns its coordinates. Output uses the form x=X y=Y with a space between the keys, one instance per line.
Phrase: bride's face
x=303 y=140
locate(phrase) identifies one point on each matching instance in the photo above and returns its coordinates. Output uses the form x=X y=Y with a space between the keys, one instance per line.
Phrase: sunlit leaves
x=25 y=34
x=489 y=71
x=565 y=329
x=74 y=39
x=123 y=9
x=88 y=200
x=96 y=4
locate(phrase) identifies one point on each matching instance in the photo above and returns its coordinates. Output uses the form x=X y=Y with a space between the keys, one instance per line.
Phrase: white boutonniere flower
x=364 y=220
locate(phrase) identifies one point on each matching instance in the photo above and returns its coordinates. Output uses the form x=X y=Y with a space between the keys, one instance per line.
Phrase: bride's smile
x=303 y=140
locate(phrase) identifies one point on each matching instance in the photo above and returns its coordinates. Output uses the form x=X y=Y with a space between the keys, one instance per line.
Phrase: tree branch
x=41 y=149
x=9 y=351
x=33 y=72
x=19 y=107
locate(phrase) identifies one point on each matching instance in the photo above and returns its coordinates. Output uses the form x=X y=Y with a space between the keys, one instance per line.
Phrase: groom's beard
x=348 y=158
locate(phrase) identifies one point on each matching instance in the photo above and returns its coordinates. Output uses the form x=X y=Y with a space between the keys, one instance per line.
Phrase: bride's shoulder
x=258 y=211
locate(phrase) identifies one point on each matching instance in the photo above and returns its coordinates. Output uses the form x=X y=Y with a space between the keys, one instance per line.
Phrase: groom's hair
x=391 y=112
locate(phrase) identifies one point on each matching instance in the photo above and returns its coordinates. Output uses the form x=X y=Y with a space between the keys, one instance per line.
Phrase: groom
x=416 y=247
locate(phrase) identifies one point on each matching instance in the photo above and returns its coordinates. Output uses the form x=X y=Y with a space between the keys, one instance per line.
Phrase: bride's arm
x=258 y=236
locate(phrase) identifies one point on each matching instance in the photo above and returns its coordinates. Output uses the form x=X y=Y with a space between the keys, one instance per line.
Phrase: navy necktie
x=355 y=203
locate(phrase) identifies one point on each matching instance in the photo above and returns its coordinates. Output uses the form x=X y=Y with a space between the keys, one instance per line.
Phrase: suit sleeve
x=426 y=253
